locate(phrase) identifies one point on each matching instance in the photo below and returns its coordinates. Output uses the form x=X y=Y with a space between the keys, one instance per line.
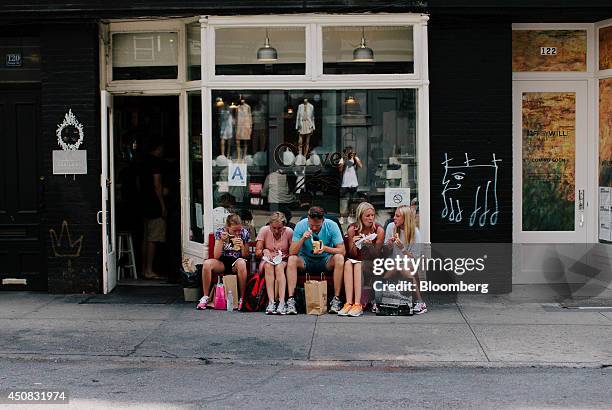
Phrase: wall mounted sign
x=395 y=197
x=69 y=133
x=605 y=158
x=605 y=214
x=69 y=160
x=237 y=175
x=549 y=50
x=13 y=60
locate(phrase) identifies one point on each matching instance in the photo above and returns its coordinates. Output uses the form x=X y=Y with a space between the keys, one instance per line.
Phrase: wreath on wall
x=70 y=133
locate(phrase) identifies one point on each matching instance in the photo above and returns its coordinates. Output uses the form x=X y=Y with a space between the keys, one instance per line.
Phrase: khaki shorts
x=155 y=230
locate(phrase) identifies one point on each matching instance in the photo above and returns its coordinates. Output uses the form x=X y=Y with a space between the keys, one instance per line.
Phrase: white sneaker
x=271 y=309
x=281 y=309
x=419 y=308
x=203 y=303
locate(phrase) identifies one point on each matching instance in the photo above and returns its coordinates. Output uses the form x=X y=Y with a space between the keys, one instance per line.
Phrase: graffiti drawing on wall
x=470 y=191
x=63 y=246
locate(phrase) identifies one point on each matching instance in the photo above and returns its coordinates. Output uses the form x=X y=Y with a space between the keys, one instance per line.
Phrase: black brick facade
x=470 y=111
x=71 y=81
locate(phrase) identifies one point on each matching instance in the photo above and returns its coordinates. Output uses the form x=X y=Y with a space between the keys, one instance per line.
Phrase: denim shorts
x=316 y=265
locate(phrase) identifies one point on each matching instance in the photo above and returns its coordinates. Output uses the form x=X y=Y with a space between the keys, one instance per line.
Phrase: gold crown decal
x=61 y=248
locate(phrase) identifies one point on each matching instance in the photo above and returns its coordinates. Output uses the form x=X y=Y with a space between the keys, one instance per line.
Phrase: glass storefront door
x=550 y=126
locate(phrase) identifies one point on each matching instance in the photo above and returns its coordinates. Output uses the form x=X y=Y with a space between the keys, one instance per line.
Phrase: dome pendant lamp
x=267 y=53
x=363 y=53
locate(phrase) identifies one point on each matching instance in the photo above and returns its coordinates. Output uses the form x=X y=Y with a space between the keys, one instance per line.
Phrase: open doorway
x=147 y=190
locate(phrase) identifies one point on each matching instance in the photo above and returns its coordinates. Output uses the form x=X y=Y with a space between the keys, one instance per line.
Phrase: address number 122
x=548 y=51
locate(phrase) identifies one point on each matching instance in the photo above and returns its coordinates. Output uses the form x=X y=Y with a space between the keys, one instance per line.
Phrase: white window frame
x=162 y=26
x=312 y=79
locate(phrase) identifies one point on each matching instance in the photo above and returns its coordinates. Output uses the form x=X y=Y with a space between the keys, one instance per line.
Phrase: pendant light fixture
x=350 y=100
x=363 y=53
x=267 y=53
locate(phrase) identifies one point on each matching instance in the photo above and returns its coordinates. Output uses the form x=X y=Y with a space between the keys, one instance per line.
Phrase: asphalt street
x=178 y=384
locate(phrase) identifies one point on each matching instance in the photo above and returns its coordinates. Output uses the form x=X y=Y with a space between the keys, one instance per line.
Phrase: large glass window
x=260 y=51
x=368 y=50
x=194 y=99
x=145 y=56
x=291 y=149
x=549 y=161
x=194 y=52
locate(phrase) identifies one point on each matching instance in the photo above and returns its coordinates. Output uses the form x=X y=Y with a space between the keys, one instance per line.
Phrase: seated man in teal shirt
x=317 y=247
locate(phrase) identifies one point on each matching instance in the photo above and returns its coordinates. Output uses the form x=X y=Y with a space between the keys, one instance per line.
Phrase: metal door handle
x=99 y=217
x=581 y=206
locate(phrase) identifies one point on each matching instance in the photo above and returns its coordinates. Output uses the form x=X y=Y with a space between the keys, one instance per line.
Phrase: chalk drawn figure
x=470 y=191
x=63 y=246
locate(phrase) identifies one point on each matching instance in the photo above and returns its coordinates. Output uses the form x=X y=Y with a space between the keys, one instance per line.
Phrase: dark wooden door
x=22 y=261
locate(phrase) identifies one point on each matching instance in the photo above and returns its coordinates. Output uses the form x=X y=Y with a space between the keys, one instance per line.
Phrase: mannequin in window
x=226 y=130
x=305 y=125
x=259 y=127
x=349 y=164
x=244 y=127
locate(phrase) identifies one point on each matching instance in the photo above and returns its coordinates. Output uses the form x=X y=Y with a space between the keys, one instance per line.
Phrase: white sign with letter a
x=237 y=174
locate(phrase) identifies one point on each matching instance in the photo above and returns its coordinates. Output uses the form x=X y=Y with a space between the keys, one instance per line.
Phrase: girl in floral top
x=229 y=256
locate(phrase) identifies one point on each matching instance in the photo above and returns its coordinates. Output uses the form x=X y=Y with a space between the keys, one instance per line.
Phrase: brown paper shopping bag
x=315 y=292
x=231 y=283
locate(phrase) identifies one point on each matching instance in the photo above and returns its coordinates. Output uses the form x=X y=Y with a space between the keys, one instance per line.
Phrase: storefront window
x=549 y=161
x=195 y=165
x=291 y=149
x=145 y=56
x=194 y=52
x=368 y=50
x=260 y=51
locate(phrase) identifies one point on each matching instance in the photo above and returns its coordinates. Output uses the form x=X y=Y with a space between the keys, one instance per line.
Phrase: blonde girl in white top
x=402 y=237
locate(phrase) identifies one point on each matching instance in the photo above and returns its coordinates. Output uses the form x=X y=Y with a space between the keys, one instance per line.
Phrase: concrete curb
x=306 y=364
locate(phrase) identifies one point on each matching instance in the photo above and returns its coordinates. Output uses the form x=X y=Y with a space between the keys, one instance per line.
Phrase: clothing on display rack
x=244 y=122
x=305 y=125
x=227 y=124
x=305 y=121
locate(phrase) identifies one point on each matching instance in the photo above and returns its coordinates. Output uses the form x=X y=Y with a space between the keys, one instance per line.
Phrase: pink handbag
x=220 y=302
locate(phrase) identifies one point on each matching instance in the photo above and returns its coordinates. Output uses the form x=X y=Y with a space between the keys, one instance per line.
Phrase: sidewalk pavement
x=475 y=331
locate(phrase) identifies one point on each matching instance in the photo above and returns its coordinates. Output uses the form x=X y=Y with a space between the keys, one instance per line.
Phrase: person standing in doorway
x=153 y=206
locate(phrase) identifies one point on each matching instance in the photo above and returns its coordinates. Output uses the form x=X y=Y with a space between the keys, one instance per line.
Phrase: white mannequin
x=305 y=125
x=226 y=130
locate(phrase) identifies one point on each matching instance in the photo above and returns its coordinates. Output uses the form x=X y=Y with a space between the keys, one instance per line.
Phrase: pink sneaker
x=240 y=305
x=203 y=303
